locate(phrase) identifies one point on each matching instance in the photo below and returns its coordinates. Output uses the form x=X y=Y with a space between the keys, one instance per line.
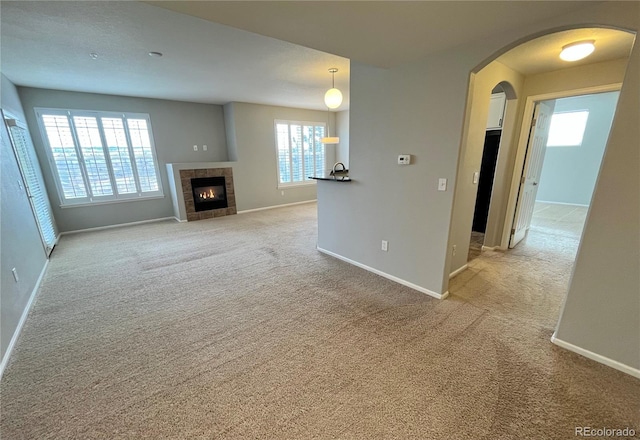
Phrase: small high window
x=567 y=129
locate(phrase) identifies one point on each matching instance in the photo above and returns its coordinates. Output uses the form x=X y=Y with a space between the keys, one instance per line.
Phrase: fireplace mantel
x=180 y=188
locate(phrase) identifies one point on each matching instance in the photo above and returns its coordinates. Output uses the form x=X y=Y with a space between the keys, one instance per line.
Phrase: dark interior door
x=485 y=183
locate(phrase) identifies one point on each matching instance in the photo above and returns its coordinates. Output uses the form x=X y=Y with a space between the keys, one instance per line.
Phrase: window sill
x=296 y=185
x=110 y=202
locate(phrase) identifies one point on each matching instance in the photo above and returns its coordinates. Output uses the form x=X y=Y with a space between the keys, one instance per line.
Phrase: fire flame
x=207 y=195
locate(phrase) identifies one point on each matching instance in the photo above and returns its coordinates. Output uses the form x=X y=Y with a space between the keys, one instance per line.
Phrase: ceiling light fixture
x=333 y=97
x=578 y=50
x=328 y=139
x=93 y=55
x=155 y=54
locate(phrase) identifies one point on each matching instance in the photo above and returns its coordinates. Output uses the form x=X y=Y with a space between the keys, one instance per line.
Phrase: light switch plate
x=442 y=184
x=404 y=159
x=476 y=176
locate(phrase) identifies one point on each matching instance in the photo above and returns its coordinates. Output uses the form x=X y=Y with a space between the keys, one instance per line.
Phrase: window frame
x=305 y=181
x=567 y=145
x=91 y=199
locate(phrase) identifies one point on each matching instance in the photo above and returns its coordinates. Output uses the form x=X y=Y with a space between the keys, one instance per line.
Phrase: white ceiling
x=541 y=55
x=47 y=44
x=380 y=33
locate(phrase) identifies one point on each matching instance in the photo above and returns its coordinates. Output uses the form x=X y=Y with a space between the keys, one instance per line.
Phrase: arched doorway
x=533 y=78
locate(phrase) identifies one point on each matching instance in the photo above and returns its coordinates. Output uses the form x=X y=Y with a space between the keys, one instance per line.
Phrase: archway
x=520 y=85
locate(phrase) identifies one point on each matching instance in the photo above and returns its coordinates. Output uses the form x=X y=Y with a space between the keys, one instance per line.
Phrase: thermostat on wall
x=404 y=159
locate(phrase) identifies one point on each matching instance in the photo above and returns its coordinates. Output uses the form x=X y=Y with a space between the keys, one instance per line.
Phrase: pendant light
x=332 y=99
x=329 y=139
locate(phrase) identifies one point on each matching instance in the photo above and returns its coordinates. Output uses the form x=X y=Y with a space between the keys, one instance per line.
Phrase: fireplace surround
x=208 y=192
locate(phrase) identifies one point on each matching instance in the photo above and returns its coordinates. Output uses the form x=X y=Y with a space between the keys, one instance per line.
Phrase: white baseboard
x=385 y=275
x=178 y=220
x=562 y=203
x=458 y=270
x=120 y=225
x=596 y=357
x=277 y=206
x=23 y=319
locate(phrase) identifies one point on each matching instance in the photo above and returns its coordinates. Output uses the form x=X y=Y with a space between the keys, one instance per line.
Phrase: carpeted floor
x=236 y=327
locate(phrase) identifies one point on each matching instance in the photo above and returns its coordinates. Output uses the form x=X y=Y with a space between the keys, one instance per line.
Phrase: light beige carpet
x=236 y=327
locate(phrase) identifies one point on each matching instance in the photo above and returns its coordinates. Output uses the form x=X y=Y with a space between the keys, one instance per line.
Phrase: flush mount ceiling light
x=578 y=50
x=93 y=55
x=155 y=54
x=333 y=97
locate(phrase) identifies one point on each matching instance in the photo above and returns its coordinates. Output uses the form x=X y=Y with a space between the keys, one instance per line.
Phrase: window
x=300 y=153
x=100 y=157
x=567 y=129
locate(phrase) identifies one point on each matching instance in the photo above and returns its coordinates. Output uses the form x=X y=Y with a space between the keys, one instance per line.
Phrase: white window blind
x=301 y=154
x=100 y=156
x=39 y=203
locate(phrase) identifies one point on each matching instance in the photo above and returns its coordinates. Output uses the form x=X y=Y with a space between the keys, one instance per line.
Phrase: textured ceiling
x=542 y=54
x=47 y=44
x=380 y=33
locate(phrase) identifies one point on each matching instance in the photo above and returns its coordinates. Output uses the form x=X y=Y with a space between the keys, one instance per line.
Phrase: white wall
x=569 y=173
x=253 y=145
x=393 y=112
x=601 y=314
x=471 y=157
x=342 y=149
x=419 y=109
x=21 y=245
x=177 y=126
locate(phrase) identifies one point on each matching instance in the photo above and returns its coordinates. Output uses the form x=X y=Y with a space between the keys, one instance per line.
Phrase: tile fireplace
x=208 y=192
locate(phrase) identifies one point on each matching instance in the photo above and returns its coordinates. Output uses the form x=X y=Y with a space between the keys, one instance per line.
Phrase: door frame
x=523 y=139
x=9 y=120
x=532 y=170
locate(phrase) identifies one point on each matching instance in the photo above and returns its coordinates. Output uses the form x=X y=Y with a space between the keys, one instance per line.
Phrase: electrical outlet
x=385 y=245
x=454 y=250
x=204 y=148
x=14 y=272
x=195 y=148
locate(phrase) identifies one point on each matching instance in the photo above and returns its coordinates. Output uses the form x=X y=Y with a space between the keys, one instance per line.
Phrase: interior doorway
x=566 y=144
x=502 y=95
